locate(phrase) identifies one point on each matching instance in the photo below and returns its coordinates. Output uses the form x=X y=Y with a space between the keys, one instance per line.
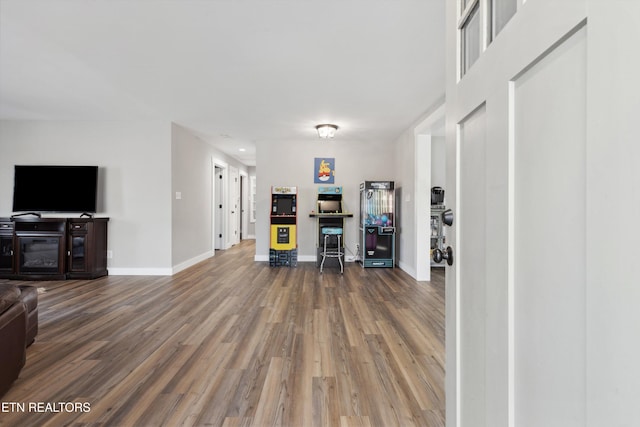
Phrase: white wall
x=405 y=165
x=142 y=166
x=135 y=180
x=192 y=215
x=356 y=161
x=191 y=177
x=438 y=164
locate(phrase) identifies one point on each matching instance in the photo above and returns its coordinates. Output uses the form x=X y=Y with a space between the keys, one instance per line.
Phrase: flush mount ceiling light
x=326 y=131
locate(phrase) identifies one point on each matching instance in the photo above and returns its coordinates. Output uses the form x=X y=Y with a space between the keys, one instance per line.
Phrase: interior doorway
x=244 y=205
x=218 y=207
x=429 y=140
x=234 y=207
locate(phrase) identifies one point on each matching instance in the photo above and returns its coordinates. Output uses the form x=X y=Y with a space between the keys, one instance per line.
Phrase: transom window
x=479 y=23
x=501 y=13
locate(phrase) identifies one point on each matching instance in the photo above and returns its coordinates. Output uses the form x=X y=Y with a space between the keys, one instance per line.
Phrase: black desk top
x=331 y=215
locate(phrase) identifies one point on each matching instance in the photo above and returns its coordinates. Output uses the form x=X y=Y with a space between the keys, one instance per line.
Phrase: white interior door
x=218 y=213
x=519 y=335
x=234 y=205
x=244 y=205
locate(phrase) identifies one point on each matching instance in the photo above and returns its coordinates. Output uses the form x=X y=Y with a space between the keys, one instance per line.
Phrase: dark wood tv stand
x=33 y=248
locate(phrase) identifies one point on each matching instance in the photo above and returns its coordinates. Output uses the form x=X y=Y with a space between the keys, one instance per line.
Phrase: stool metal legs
x=338 y=253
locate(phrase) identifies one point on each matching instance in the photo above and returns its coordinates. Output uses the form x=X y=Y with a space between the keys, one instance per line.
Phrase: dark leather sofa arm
x=13 y=329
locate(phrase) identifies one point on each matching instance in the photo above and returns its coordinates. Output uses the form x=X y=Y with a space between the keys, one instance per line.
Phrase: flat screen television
x=55 y=189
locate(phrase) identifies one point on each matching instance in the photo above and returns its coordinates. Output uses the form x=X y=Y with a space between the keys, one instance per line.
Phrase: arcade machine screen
x=330 y=206
x=284 y=206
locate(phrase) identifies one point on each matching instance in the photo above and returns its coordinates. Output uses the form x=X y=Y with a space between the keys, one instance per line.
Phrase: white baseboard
x=410 y=271
x=193 y=261
x=139 y=271
x=114 y=271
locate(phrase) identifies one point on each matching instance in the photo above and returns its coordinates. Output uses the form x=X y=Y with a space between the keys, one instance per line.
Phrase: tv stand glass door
x=39 y=248
x=39 y=255
x=6 y=246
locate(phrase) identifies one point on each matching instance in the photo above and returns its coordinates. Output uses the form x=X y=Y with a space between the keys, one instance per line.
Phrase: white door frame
x=422 y=189
x=244 y=204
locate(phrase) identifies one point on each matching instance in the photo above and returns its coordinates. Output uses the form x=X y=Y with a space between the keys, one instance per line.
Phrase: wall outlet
x=109 y=254
x=178 y=195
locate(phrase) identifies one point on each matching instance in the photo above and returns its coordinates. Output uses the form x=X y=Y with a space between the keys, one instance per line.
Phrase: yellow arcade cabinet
x=283 y=247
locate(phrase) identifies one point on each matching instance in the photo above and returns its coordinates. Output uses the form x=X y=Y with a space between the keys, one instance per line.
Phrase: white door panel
x=549 y=238
x=472 y=268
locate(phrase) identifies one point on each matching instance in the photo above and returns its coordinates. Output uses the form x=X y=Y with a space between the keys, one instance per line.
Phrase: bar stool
x=332 y=252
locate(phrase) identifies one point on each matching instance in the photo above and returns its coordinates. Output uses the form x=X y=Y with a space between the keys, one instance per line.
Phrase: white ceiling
x=234 y=72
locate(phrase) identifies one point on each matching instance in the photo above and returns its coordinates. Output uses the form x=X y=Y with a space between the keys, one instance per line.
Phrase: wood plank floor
x=233 y=342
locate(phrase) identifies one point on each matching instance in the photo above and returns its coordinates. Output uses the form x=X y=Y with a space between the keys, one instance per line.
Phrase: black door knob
x=447 y=254
x=447 y=217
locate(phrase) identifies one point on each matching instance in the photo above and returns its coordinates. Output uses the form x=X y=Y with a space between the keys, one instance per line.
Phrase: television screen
x=55 y=189
x=330 y=206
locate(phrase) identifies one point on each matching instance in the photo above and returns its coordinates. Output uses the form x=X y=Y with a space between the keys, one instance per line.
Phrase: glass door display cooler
x=377 y=224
